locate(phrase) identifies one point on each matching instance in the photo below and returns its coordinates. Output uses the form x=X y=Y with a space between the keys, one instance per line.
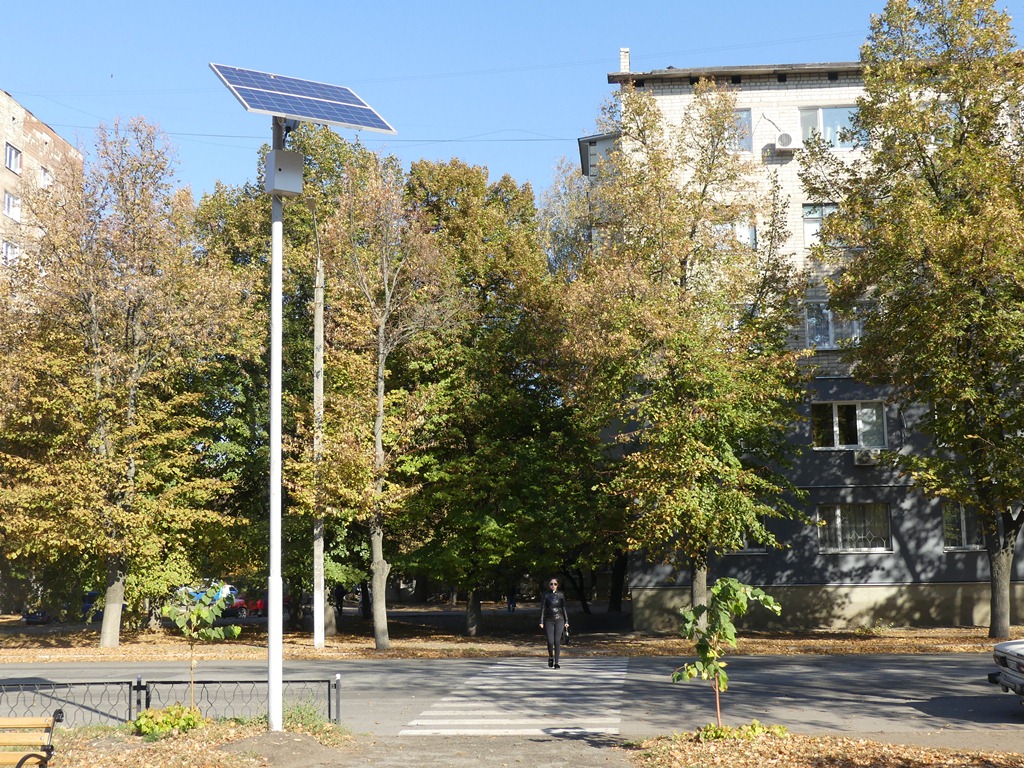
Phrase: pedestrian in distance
x=554 y=620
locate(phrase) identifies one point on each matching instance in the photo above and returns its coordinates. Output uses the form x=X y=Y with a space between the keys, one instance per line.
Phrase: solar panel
x=302 y=100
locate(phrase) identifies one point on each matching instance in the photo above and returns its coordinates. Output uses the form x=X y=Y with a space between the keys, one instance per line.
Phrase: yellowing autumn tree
x=929 y=234
x=112 y=319
x=390 y=294
x=687 y=318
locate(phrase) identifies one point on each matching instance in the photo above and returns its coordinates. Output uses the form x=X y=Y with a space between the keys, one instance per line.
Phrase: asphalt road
x=935 y=700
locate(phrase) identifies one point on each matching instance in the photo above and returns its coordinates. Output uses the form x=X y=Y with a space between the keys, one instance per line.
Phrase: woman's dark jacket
x=552 y=607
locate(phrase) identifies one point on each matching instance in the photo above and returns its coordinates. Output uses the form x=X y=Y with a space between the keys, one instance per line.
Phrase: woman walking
x=554 y=620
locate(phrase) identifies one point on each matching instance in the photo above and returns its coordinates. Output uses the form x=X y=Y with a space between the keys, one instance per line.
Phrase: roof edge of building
x=751 y=70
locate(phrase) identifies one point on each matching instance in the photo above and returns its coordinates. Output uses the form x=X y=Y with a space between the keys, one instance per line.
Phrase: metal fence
x=112 y=703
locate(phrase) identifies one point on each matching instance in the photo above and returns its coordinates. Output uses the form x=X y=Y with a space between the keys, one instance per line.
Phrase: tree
x=195 y=615
x=712 y=629
x=687 y=317
x=927 y=239
x=392 y=296
x=508 y=476
x=113 y=322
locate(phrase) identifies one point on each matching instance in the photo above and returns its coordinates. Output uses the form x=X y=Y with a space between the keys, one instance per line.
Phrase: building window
x=750 y=546
x=45 y=178
x=833 y=124
x=12 y=159
x=848 y=425
x=743 y=138
x=961 y=528
x=854 y=528
x=12 y=206
x=742 y=232
x=813 y=216
x=10 y=253
x=825 y=330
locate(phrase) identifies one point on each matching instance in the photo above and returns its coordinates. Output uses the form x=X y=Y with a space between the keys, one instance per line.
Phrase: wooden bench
x=31 y=738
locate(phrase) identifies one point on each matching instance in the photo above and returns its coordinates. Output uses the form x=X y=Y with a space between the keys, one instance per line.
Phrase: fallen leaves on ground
x=793 y=751
x=116 y=748
x=442 y=637
x=220 y=745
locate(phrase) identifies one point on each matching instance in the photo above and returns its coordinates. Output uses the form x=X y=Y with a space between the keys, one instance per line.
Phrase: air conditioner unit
x=865 y=457
x=787 y=142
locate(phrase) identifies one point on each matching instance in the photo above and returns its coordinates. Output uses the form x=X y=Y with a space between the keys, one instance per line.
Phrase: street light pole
x=275 y=603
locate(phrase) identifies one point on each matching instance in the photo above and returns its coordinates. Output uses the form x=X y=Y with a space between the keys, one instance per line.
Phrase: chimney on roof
x=623 y=59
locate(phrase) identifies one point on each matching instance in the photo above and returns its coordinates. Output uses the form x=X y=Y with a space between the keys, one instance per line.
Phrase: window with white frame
x=743 y=140
x=45 y=178
x=12 y=206
x=848 y=425
x=813 y=216
x=827 y=331
x=854 y=528
x=961 y=528
x=833 y=124
x=743 y=232
x=12 y=158
x=10 y=253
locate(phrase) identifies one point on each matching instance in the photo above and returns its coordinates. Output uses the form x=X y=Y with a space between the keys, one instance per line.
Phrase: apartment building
x=877 y=551
x=33 y=155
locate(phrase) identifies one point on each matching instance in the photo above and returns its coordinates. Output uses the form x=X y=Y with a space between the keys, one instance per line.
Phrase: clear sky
x=507 y=85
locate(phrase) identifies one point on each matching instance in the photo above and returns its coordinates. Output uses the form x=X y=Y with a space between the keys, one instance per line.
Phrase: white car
x=1010 y=675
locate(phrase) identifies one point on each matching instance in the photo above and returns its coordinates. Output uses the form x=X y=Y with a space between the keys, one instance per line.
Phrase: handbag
x=565 y=636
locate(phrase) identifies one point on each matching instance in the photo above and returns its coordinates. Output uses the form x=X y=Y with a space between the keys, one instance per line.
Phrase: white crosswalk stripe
x=522 y=697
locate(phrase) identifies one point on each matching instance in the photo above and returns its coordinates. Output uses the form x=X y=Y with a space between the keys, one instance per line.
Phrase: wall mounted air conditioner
x=865 y=457
x=787 y=142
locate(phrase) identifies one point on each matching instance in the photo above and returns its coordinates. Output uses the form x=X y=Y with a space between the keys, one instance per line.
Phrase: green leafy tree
x=682 y=322
x=507 y=476
x=196 y=617
x=712 y=629
x=928 y=238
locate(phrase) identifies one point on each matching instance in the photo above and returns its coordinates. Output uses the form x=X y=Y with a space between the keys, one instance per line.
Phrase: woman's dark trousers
x=553 y=629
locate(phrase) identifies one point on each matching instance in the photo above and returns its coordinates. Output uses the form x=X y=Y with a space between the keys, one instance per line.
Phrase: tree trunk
x=379 y=569
x=294 y=607
x=699 y=591
x=110 y=629
x=1001 y=546
x=365 y=601
x=474 y=614
x=153 y=616
x=577 y=587
x=618 y=584
x=422 y=592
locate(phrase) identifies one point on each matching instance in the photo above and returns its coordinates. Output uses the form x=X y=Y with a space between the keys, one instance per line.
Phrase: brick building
x=881 y=551
x=33 y=156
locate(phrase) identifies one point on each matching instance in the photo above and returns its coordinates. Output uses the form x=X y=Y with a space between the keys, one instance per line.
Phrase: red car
x=257 y=606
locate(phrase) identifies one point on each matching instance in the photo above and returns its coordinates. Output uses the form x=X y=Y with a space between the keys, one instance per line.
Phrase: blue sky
x=507 y=85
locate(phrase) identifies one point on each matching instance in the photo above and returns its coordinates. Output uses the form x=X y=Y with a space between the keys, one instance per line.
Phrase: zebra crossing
x=522 y=697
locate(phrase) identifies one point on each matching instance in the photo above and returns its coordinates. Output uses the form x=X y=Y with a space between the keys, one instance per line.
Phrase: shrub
x=754 y=730
x=157 y=723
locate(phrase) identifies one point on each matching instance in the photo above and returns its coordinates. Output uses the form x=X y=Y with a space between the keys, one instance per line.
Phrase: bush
x=157 y=723
x=754 y=730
